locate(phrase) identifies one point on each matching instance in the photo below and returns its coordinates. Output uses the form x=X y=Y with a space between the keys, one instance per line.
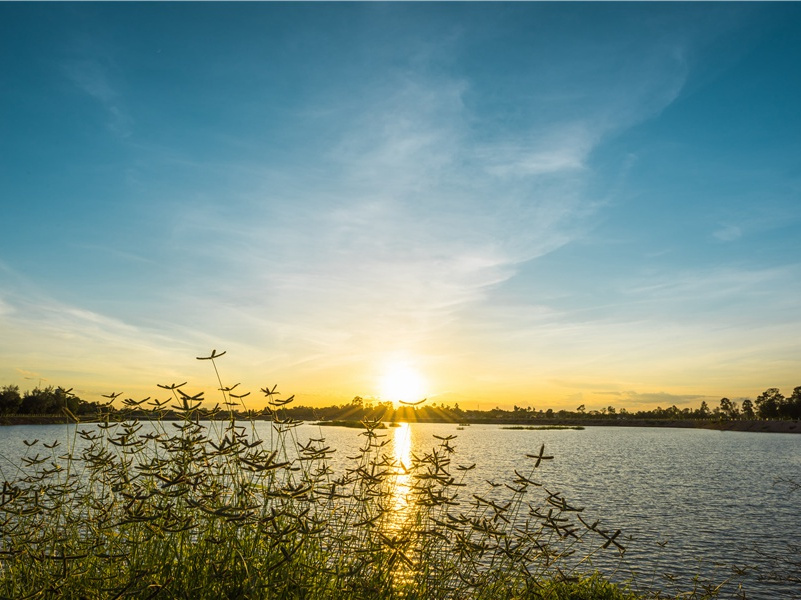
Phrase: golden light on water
x=402 y=444
x=396 y=527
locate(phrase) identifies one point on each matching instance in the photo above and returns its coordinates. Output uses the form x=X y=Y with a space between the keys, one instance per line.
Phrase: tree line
x=43 y=401
x=771 y=404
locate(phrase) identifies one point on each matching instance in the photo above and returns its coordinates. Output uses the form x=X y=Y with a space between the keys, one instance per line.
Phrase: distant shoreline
x=758 y=426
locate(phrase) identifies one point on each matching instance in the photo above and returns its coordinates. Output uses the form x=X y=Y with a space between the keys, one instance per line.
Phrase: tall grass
x=208 y=509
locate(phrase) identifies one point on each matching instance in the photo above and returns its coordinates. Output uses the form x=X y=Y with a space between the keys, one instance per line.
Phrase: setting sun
x=402 y=383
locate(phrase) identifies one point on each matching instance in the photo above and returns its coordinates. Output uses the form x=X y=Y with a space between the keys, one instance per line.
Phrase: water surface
x=688 y=501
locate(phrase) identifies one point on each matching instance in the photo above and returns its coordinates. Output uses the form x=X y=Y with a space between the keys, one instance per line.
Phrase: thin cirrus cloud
x=728 y=233
x=80 y=339
x=515 y=199
x=85 y=347
x=736 y=286
x=93 y=78
x=410 y=217
x=411 y=229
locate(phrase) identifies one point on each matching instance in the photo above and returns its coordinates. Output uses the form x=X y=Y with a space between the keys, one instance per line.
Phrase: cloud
x=409 y=229
x=561 y=150
x=61 y=338
x=406 y=214
x=728 y=233
x=30 y=375
x=93 y=78
x=720 y=289
x=5 y=308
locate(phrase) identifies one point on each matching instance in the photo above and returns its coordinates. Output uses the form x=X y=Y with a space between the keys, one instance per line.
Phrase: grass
x=210 y=510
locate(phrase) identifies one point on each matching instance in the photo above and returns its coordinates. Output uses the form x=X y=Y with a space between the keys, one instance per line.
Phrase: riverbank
x=759 y=426
x=34 y=420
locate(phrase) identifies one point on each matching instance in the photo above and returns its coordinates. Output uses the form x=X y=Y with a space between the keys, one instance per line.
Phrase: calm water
x=688 y=501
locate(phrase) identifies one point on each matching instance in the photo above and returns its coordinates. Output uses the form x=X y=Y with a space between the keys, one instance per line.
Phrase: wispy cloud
x=406 y=216
x=708 y=288
x=83 y=342
x=556 y=150
x=399 y=211
x=728 y=233
x=31 y=375
x=93 y=78
x=409 y=230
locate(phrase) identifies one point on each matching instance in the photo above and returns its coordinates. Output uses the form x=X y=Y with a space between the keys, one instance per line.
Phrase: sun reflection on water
x=402 y=444
x=398 y=527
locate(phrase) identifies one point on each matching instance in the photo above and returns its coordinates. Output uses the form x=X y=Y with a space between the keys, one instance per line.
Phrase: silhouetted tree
x=38 y=401
x=793 y=404
x=729 y=409
x=10 y=399
x=51 y=400
x=769 y=404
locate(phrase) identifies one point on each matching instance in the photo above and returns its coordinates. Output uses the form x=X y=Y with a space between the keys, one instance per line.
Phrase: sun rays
x=401 y=383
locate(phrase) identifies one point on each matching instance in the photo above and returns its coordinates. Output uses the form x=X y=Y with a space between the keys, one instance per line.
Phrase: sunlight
x=402 y=383
x=402 y=444
x=400 y=499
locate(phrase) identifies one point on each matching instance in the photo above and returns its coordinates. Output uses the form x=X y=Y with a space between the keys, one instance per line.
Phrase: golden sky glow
x=401 y=382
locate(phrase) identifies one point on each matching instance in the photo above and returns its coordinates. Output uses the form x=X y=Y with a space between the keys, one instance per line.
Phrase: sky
x=489 y=204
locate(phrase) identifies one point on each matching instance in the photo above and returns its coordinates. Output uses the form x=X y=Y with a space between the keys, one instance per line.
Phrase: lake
x=688 y=501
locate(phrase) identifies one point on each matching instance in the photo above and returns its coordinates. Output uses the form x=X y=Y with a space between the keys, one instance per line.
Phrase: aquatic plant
x=197 y=509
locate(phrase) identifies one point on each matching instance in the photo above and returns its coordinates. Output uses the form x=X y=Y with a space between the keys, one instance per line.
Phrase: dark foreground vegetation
x=207 y=510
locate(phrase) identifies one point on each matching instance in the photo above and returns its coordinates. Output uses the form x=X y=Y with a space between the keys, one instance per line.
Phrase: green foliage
x=769 y=403
x=10 y=399
x=208 y=509
x=772 y=404
x=199 y=509
x=593 y=587
x=43 y=401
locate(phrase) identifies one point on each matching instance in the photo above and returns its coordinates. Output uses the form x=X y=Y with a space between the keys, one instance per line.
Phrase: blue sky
x=535 y=204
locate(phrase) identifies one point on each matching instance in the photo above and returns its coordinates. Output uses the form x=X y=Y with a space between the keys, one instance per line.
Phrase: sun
x=402 y=383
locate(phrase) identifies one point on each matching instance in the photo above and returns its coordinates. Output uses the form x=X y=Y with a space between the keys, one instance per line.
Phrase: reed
x=208 y=509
